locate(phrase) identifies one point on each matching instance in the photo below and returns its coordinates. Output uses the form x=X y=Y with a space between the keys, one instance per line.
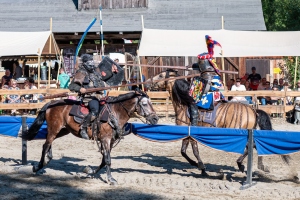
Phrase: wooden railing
x=161 y=98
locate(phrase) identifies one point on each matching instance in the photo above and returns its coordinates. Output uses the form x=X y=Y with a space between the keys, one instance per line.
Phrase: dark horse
x=228 y=115
x=60 y=123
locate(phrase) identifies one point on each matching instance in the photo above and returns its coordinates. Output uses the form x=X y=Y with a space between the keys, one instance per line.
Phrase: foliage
x=289 y=68
x=281 y=15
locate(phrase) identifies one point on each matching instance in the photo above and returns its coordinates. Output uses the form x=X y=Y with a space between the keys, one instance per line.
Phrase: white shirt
x=238 y=88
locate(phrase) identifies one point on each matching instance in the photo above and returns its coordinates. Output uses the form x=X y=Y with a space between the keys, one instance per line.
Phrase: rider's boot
x=194 y=115
x=87 y=120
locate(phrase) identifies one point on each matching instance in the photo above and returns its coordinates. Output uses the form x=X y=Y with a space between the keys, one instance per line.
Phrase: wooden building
x=122 y=22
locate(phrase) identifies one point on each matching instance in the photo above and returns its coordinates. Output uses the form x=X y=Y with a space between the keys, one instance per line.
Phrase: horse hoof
x=35 y=168
x=242 y=168
x=112 y=181
x=203 y=173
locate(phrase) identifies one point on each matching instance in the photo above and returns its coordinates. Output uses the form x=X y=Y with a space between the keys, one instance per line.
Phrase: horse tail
x=263 y=120
x=36 y=125
x=264 y=123
x=180 y=93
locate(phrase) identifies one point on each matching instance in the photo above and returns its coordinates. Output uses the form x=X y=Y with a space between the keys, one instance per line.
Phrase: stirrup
x=83 y=133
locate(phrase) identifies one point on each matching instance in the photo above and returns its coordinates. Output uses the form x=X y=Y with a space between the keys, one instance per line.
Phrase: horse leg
x=261 y=166
x=185 y=144
x=201 y=165
x=107 y=160
x=241 y=158
x=43 y=162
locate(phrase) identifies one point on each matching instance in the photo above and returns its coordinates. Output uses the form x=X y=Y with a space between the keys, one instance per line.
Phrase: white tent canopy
x=156 y=42
x=23 y=43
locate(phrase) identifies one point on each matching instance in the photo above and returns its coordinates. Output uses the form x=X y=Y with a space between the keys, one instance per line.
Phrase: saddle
x=79 y=111
x=207 y=116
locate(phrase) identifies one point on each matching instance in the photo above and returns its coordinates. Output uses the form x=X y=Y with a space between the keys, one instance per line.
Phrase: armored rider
x=209 y=80
x=88 y=77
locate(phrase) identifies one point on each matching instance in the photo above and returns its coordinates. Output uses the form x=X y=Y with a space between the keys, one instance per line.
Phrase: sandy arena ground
x=143 y=169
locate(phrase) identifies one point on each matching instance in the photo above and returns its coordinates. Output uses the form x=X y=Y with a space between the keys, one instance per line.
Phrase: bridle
x=139 y=106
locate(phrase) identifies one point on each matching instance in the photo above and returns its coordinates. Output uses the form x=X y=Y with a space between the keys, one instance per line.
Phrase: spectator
x=238 y=87
x=254 y=77
x=54 y=71
x=297 y=88
x=281 y=84
x=262 y=85
x=3 y=98
x=6 y=78
x=13 y=98
x=124 y=88
x=26 y=97
x=273 y=100
x=245 y=77
x=275 y=83
x=230 y=83
x=248 y=98
x=63 y=79
x=17 y=70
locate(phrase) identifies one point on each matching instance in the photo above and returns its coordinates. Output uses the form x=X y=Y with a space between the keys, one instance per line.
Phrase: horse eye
x=160 y=75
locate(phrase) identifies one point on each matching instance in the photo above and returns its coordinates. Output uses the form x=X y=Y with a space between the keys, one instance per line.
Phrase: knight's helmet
x=88 y=62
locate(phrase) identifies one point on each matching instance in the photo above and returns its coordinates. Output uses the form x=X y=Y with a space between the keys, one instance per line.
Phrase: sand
x=143 y=169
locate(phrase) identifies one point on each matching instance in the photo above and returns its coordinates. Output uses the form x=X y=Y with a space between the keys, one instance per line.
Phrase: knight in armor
x=88 y=77
x=209 y=81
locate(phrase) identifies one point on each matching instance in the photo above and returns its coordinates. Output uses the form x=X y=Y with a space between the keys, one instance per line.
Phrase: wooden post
x=295 y=75
x=39 y=67
x=24 y=142
x=50 y=49
x=222 y=58
x=140 y=68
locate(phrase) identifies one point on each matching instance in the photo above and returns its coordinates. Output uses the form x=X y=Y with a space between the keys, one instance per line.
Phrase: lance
x=175 y=67
x=92 y=90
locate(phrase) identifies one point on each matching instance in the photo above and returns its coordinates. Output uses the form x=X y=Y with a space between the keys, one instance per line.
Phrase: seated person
x=273 y=100
x=238 y=87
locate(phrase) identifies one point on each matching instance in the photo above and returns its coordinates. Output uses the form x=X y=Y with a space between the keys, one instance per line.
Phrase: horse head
x=158 y=82
x=144 y=107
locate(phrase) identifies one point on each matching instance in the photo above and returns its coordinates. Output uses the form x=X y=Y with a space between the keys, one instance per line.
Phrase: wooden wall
x=111 y=4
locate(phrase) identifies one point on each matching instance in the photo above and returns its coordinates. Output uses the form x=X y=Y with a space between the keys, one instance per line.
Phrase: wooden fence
x=162 y=98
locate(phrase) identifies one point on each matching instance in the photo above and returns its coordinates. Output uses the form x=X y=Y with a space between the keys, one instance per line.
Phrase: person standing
x=254 y=79
x=63 y=79
x=17 y=70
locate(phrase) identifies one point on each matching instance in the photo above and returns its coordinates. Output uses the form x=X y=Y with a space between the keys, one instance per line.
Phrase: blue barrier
x=229 y=140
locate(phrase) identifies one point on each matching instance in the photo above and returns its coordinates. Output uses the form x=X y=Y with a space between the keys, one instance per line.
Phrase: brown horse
x=228 y=115
x=60 y=123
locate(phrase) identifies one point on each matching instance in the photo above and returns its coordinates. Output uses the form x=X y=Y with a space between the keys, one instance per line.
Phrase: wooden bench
x=160 y=100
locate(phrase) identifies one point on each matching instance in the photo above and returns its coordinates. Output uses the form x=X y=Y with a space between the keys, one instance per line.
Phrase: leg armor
x=194 y=115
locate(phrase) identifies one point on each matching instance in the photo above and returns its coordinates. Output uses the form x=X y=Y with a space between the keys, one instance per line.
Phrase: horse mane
x=180 y=92
x=124 y=97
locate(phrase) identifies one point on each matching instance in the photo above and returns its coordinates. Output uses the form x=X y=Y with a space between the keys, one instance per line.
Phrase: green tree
x=281 y=15
x=284 y=15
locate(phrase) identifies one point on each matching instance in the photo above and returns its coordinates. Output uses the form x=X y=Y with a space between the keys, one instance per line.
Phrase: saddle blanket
x=208 y=99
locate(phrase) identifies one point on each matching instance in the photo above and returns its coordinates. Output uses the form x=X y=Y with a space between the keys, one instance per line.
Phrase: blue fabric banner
x=229 y=140
x=10 y=126
x=276 y=142
x=159 y=133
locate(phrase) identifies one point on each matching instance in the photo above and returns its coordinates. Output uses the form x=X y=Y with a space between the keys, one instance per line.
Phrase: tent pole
x=50 y=48
x=222 y=59
x=101 y=31
x=39 y=65
x=59 y=66
x=295 y=77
